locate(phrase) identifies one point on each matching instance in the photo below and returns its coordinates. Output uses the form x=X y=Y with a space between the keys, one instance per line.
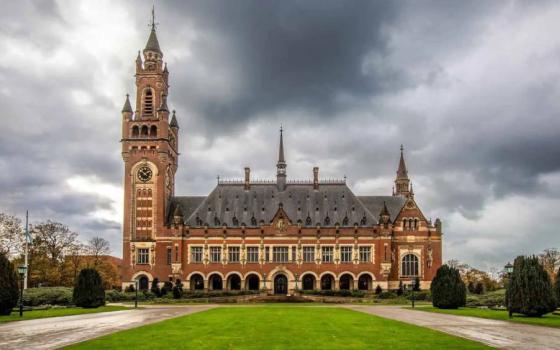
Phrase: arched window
x=415 y=224
x=153 y=131
x=144 y=130
x=148 y=106
x=135 y=131
x=410 y=265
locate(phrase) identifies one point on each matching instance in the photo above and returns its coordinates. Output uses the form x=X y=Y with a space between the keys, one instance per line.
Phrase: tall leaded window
x=196 y=254
x=280 y=254
x=267 y=254
x=169 y=255
x=215 y=254
x=365 y=254
x=346 y=254
x=410 y=265
x=308 y=254
x=253 y=254
x=233 y=254
x=294 y=255
x=327 y=254
x=143 y=256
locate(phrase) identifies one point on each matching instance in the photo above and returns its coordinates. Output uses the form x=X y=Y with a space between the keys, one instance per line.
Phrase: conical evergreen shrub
x=448 y=289
x=88 y=289
x=529 y=291
x=9 y=291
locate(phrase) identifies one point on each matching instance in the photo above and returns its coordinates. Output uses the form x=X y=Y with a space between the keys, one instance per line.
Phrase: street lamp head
x=508 y=268
x=22 y=269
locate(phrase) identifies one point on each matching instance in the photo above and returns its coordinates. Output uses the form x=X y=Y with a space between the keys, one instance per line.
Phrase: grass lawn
x=549 y=320
x=279 y=327
x=31 y=315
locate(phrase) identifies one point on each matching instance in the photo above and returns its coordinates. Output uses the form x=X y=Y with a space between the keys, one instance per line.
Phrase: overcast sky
x=470 y=88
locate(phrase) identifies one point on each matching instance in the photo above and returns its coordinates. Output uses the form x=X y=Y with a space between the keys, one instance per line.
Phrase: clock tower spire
x=149 y=150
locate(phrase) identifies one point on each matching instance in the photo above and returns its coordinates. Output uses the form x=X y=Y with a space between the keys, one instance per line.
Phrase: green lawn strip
x=56 y=312
x=288 y=327
x=549 y=320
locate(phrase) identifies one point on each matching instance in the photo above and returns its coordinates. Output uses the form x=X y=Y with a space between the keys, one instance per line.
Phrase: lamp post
x=509 y=270
x=413 y=292
x=136 y=290
x=22 y=269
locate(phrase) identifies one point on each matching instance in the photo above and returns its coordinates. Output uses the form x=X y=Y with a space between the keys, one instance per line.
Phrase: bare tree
x=11 y=235
x=98 y=247
x=550 y=259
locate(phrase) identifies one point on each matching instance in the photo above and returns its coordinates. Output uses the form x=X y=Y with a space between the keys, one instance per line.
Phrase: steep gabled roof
x=232 y=205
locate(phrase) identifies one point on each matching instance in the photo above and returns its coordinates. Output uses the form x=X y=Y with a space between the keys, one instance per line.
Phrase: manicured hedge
x=47 y=296
x=336 y=293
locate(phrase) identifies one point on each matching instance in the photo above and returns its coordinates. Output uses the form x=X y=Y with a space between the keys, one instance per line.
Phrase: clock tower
x=150 y=154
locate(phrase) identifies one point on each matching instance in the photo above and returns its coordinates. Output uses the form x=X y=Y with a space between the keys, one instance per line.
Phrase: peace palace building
x=277 y=235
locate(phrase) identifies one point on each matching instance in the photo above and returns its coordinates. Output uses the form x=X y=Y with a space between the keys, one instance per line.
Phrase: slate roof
x=153 y=43
x=332 y=203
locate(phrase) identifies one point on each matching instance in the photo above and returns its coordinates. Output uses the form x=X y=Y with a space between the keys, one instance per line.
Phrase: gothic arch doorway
x=143 y=282
x=280 y=284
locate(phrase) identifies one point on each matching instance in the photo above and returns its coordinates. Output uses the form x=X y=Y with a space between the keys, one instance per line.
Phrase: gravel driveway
x=500 y=334
x=55 y=332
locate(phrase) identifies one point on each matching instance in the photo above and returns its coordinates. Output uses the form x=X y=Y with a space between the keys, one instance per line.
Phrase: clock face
x=144 y=174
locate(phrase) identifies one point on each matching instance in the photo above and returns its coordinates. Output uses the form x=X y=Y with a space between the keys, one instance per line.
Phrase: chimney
x=315 y=178
x=247 y=178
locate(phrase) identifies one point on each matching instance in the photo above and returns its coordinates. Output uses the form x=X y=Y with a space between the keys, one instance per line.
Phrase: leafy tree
x=529 y=289
x=8 y=286
x=88 y=290
x=378 y=289
x=448 y=289
x=52 y=243
x=155 y=287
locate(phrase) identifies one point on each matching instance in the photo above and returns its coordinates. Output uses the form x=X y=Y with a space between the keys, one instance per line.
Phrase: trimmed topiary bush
x=448 y=289
x=155 y=287
x=416 y=284
x=529 y=291
x=178 y=289
x=88 y=289
x=9 y=291
x=378 y=289
x=400 y=290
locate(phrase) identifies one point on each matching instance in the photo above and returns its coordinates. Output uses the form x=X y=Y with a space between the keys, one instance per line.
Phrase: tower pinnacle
x=402 y=181
x=281 y=165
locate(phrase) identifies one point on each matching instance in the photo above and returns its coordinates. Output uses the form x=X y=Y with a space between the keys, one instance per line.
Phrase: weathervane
x=153 y=24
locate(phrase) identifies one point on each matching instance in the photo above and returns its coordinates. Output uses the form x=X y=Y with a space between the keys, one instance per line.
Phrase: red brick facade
x=277 y=235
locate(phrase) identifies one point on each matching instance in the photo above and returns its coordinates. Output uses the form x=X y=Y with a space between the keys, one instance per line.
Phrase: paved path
x=55 y=332
x=500 y=334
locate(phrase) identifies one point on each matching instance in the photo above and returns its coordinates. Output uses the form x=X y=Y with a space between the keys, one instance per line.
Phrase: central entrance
x=280 y=285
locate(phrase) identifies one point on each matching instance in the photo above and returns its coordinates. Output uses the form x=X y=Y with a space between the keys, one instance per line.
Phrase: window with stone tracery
x=144 y=213
x=409 y=266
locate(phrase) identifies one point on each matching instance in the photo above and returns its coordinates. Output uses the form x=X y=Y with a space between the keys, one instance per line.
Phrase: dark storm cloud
x=474 y=104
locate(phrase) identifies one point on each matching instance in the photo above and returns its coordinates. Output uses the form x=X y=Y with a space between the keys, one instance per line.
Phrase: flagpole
x=26 y=248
